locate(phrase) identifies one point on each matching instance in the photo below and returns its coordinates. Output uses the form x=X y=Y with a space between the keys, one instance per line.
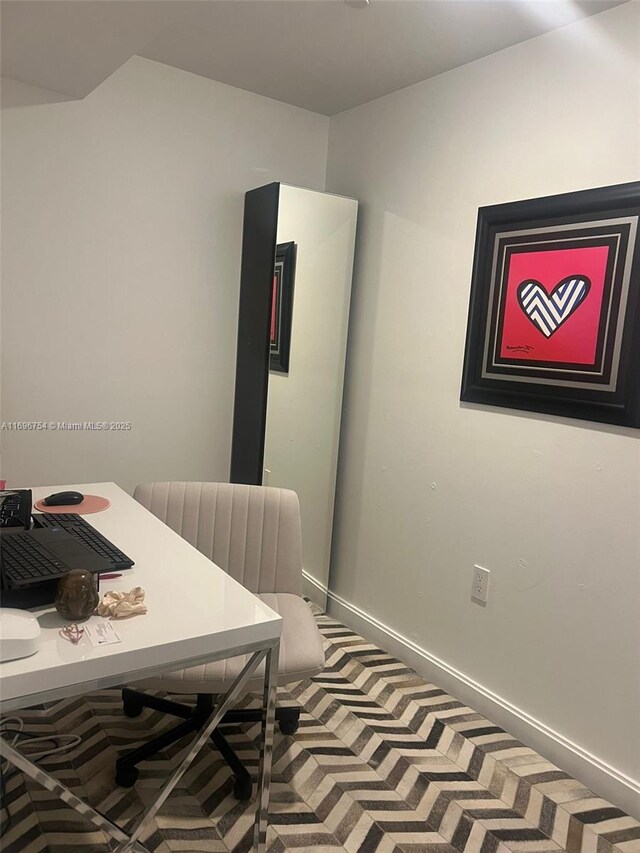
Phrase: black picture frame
x=282 y=307
x=554 y=310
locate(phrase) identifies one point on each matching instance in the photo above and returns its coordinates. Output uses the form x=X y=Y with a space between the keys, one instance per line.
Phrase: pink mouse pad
x=91 y=503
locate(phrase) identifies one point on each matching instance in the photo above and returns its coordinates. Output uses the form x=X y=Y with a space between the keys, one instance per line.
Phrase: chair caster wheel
x=288 y=727
x=131 y=708
x=242 y=789
x=126 y=777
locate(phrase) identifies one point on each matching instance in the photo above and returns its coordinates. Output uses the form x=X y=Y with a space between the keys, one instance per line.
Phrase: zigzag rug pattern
x=383 y=762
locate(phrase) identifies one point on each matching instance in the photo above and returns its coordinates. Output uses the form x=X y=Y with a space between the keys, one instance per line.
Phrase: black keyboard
x=23 y=562
x=75 y=524
x=31 y=557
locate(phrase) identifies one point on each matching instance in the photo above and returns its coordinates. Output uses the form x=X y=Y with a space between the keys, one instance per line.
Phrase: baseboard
x=603 y=779
x=314 y=590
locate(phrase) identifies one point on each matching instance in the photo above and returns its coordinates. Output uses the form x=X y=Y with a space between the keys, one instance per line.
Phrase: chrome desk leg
x=131 y=843
x=67 y=796
x=266 y=748
x=227 y=700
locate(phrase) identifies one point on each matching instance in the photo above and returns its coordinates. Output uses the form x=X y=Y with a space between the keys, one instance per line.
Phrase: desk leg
x=65 y=794
x=225 y=703
x=130 y=842
x=266 y=748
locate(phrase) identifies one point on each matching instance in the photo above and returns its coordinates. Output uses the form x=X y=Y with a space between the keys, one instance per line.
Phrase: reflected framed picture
x=282 y=307
x=554 y=313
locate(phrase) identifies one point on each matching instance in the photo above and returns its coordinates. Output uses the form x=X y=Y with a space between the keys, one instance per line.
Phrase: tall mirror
x=297 y=263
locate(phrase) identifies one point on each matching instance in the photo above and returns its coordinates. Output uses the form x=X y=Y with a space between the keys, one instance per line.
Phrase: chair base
x=194 y=718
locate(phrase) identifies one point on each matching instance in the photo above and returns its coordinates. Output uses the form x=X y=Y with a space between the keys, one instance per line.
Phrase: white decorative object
x=19 y=634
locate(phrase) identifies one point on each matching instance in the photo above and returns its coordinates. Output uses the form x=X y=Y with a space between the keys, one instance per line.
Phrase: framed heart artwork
x=282 y=307
x=554 y=314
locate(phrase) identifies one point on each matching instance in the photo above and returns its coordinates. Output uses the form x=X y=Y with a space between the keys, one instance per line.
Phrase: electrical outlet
x=480 y=585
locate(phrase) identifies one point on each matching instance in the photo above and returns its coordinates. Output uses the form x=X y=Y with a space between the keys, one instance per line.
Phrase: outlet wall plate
x=480 y=584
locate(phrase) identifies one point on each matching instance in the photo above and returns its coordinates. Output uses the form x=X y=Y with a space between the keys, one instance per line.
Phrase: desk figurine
x=76 y=596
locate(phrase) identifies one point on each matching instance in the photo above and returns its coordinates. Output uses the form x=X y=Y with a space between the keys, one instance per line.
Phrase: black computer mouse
x=64 y=499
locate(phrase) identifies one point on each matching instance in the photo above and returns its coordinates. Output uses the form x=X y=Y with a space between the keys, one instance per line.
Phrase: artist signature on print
x=521 y=348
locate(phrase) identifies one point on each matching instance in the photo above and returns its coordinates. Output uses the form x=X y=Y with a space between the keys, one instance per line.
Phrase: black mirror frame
x=254 y=318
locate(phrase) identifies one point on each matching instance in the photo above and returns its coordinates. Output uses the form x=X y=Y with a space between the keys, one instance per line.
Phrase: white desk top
x=196 y=611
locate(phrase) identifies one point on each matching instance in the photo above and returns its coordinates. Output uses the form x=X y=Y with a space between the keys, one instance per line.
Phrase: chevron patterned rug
x=383 y=762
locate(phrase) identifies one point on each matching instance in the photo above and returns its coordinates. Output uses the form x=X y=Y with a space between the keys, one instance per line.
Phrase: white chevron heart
x=548 y=311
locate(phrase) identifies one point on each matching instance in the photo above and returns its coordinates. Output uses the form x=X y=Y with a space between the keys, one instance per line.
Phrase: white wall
x=122 y=224
x=427 y=487
x=13 y=93
x=304 y=406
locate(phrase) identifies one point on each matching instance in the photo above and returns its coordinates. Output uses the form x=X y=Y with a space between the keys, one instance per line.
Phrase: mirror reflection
x=309 y=324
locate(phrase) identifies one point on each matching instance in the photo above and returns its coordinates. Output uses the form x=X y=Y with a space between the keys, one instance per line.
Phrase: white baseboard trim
x=606 y=781
x=314 y=590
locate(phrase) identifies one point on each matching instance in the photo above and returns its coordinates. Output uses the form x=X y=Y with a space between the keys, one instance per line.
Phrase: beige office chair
x=253 y=533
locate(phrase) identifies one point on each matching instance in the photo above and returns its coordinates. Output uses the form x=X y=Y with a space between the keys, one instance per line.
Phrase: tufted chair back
x=252 y=532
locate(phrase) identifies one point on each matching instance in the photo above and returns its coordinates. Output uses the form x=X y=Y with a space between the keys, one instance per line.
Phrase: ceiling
x=321 y=55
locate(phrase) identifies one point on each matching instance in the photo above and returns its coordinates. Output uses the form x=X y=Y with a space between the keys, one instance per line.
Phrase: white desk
x=197 y=613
